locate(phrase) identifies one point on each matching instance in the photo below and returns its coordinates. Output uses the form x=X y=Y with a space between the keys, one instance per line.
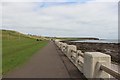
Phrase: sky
x=62 y=18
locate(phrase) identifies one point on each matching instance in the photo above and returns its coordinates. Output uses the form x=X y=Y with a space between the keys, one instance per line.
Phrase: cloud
x=106 y=0
x=97 y=19
x=0 y=15
x=59 y=0
x=36 y=0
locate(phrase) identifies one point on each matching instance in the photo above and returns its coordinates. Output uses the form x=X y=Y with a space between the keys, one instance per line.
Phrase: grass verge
x=17 y=55
x=16 y=51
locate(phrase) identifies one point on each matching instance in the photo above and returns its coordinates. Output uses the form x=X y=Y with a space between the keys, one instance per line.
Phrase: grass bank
x=76 y=39
x=17 y=48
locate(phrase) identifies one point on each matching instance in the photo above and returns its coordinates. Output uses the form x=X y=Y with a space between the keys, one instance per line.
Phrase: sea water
x=99 y=41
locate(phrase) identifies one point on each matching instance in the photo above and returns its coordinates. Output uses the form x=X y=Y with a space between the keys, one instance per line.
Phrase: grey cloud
x=89 y=19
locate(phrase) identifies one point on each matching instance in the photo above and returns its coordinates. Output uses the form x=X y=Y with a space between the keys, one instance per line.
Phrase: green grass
x=17 y=50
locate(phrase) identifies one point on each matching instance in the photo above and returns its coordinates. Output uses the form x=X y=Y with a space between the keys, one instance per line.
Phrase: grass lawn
x=17 y=50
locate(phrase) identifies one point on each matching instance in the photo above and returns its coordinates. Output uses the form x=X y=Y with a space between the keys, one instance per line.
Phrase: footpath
x=49 y=62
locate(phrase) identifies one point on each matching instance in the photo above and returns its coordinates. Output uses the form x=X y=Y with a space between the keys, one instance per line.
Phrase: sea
x=100 y=41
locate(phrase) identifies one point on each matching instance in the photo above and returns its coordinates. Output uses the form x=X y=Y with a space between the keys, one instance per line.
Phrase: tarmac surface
x=49 y=62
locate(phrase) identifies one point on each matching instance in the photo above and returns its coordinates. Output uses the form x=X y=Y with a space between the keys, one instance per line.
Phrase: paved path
x=49 y=62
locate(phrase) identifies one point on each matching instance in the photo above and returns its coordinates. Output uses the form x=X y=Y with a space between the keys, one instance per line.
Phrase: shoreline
x=111 y=49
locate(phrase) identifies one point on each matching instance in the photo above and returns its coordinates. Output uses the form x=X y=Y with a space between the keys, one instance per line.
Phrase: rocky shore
x=108 y=48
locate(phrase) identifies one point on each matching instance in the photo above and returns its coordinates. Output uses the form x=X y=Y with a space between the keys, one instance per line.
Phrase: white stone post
x=69 y=48
x=64 y=48
x=80 y=60
x=60 y=44
x=91 y=67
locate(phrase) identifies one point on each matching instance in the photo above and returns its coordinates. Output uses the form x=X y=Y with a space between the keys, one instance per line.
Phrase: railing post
x=69 y=48
x=60 y=45
x=64 y=48
x=79 y=60
x=91 y=68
